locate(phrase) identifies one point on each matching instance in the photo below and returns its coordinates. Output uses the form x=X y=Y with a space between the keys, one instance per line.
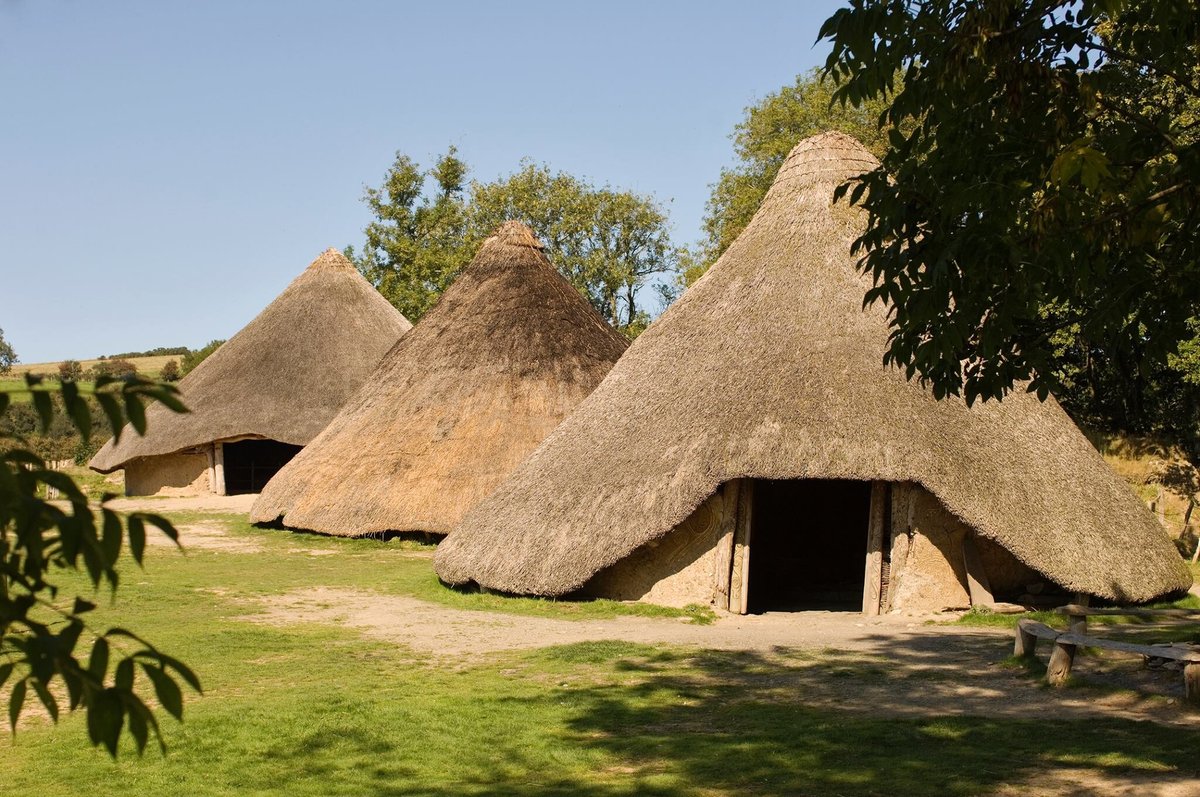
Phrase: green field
x=321 y=708
x=13 y=382
x=147 y=366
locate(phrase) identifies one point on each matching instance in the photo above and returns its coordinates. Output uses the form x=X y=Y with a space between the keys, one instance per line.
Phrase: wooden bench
x=1065 y=642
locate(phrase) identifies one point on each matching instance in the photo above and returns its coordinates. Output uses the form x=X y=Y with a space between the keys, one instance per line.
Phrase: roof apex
x=514 y=233
x=330 y=260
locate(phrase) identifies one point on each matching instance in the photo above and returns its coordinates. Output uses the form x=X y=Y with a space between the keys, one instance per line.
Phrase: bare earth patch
x=205 y=535
x=233 y=504
x=897 y=665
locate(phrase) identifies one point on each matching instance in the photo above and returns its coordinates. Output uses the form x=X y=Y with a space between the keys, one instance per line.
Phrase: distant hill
x=161 y=351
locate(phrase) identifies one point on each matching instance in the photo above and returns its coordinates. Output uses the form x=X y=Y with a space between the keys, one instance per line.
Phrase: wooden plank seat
x=1028 y=633
x=1076 y=610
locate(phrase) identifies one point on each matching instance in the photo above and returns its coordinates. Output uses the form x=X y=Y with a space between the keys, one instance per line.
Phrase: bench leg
x=1059 y=668
x=1025 y=643
x=1191 y=684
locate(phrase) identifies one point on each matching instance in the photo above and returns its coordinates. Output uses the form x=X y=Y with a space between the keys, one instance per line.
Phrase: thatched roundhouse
x=750 y=451
x=506 y=353
x=267 y=391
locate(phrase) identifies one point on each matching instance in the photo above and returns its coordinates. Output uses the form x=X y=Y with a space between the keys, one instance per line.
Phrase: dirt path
x=902 y=666
x=945 y=669
x=230 y=504
x=435 y=629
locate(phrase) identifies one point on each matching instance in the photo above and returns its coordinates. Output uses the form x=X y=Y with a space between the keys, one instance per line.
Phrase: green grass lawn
x=312 y=709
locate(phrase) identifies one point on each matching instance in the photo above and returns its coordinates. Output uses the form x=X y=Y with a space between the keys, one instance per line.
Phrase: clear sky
x=170 y=165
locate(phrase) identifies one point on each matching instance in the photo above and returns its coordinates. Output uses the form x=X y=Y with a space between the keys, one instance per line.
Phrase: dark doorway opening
x=808 y=544
x=249 y=464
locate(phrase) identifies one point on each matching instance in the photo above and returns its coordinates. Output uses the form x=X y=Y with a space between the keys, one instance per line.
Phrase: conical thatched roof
x=284 y=375
x=768 y=367
x=506 y=353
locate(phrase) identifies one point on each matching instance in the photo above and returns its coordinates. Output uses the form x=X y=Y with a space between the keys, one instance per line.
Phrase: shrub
x=70 y=369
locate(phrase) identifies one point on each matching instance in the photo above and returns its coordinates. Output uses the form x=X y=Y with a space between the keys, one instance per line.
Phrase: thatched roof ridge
x=768 y=367
x=284 y=375
x=506 y=353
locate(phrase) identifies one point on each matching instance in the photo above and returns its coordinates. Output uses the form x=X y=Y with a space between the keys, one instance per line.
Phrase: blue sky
x=168 y=167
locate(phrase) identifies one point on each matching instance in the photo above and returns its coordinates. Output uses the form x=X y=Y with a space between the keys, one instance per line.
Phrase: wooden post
x=218 y=485
x=873 y=575
x=1025 y=643
x=1063 y=656
x=1059 y=668
x=739 y=581
x=1191 y=683
x=723 y=564
x=1078 y=622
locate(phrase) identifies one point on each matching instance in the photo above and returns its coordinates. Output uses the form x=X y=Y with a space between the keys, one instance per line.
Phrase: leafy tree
x=169 y=372
x=70 y=370
x=159 y=351
x=762 y=140
x=114 y=368
x=608 y=243
x=418 y=241
x=7 y=355
x=45 y=634
x=194 y=358
x=1040 y=176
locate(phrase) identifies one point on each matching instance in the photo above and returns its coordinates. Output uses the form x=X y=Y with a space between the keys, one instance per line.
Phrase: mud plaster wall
x=927 y=570
x=928 y=573
x=675 y=570
x=1009 y=576
x=183 y=473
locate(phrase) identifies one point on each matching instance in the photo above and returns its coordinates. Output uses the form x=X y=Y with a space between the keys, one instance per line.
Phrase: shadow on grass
x=673 y=722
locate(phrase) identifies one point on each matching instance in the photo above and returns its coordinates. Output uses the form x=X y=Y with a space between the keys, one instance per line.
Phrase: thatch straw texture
x=506 y=353
x=768 y=367
x=284 y=375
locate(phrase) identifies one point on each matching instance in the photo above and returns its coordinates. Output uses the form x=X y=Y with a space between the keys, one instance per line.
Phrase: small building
x=266 y=392
x=750 y=451
x=507 y=352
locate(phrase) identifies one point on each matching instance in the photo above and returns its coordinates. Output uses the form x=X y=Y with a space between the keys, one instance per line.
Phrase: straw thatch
x=768 y=367
x=284 y=375
x=506 y=353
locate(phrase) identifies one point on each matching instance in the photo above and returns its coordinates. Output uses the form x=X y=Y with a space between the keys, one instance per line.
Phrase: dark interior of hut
x=249 y=464
x=808 y=544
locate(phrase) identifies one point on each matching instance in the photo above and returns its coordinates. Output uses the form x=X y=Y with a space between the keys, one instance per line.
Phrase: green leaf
x=137 y=537
x=82 y=606
x=138 y=729
x=15 y=701
x=112 y=409
x=5 y=671
x=4 y=402
x=104 y=719
x=123 y=679
x=110 y=542
x=77 y=409
x=74 y=685
x=98 y=661
x=182 y=670
x=136 y=412
x=167 y=395
x=48 y=700
x=166 y=690
x=44 y=407
x=163 y=525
